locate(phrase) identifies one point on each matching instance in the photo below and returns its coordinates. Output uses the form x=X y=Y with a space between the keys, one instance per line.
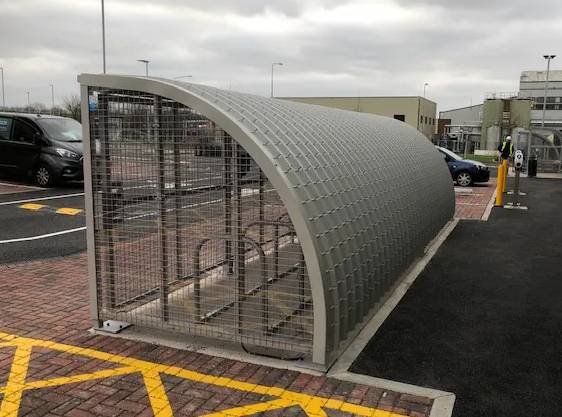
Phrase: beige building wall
x=418 y=112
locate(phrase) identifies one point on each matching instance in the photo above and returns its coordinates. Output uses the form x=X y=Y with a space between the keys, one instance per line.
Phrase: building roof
x=355 y=97
x=461 y=108
x=540 y=76
x=365 y=193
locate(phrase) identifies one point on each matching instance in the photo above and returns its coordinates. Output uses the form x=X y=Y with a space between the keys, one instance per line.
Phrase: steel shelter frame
x=364 y=195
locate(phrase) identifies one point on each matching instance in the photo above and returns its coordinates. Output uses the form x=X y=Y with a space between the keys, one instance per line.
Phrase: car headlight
x=65 y=153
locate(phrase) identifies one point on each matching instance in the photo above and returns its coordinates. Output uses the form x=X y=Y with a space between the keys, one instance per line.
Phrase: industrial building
x=456 y=126
x=485 y=124
x=418 y=112
x=531 y=86
x=239 y=220
x=519 y=114
x=469 y=115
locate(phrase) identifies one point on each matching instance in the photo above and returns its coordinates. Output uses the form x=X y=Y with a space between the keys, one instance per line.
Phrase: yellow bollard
x=499 y=186
x=505 y=172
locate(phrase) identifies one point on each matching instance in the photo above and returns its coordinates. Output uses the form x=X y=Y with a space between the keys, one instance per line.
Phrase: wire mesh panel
x=189 y=234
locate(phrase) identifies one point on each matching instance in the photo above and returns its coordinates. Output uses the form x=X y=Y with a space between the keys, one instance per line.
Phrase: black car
x=464 y=171
x=47 y=147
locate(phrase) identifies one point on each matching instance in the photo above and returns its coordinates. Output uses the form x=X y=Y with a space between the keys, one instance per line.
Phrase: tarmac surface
x=33 y=226
x=484 y=320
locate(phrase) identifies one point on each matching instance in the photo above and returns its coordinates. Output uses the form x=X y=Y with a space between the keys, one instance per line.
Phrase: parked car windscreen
x=450 y=154
x=64 y=130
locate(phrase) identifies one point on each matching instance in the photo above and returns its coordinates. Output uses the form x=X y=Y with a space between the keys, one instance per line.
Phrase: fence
x=461 y=147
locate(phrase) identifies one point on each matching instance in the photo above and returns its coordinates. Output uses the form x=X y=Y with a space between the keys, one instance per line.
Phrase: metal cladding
x=365 y=193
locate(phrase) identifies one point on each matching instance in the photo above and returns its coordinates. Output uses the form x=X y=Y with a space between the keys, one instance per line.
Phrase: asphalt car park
x=483 y=320
x=38 y=223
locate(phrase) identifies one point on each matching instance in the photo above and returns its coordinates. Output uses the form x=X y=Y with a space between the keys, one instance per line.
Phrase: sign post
x=518 y=165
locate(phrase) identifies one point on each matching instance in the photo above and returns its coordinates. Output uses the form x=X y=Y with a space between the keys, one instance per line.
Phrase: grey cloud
x=292 y=8
x=523 y=10
x=461 y=51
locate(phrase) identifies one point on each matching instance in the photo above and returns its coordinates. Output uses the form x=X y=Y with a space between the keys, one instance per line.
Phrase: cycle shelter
x=238 y=219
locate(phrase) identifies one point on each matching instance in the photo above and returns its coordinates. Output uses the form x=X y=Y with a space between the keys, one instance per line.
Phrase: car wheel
x=43 y=176
x=464 y=179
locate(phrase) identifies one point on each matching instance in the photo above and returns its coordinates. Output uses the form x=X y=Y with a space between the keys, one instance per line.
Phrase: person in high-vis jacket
x=506 y=148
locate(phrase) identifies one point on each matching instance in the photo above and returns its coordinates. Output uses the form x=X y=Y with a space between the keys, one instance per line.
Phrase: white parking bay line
x=25 y=239
x=53 y=197
x=7 y=184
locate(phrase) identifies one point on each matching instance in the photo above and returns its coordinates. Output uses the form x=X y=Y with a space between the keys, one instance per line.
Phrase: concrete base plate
x=515 y=207
x=113 y=326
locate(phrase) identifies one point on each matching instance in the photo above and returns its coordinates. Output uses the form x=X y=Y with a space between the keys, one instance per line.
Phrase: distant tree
x=57 y=111
x=38 y=108
x=71 y=105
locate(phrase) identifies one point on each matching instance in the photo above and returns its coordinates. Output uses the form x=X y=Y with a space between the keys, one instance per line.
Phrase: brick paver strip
x=472 y=205
x=51 y=366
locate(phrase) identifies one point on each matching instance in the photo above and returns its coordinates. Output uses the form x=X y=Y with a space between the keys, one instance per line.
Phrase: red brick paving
x=48 y=299
x=472 y=205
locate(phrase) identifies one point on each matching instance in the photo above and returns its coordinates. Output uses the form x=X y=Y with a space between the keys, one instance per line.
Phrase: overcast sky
x=462 y=48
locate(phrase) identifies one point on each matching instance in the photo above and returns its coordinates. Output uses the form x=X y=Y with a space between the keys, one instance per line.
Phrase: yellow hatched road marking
x=157 y=394
x=16 y=381
x=151 y=372
x=32 y=206
x=69 y=211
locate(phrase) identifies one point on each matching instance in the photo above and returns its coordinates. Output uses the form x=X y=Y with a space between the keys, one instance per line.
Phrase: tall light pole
x=52 y=98
x=145 y=62
x=272 y=65
x=3 y=95
x=103 y=32
x=424 y=87
x=548 y=58
x=28 y=101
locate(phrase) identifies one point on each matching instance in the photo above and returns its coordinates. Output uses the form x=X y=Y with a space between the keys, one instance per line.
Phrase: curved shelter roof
x=365 y=193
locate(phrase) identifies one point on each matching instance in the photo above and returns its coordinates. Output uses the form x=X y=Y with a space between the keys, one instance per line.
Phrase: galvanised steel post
x=3 y=94
x=548 y=58
x=103 y=32
x=52 y=98
x=145 y=62
x=272 y=65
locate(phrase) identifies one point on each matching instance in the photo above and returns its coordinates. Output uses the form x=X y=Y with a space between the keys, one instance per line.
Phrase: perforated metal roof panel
x=366 y=193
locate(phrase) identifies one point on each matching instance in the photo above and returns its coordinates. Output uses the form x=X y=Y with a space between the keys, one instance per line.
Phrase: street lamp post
x=145 y=62
x=424 y=87
x=103 y=32
x=28 y=102
x=52 y=98
x=548 y=58
x=3 y=96
x=272 y=65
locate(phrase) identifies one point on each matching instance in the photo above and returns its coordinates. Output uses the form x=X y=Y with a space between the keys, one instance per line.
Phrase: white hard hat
x=508 y=137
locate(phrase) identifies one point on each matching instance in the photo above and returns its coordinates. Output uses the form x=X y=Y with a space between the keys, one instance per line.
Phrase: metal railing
x=460 y=147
